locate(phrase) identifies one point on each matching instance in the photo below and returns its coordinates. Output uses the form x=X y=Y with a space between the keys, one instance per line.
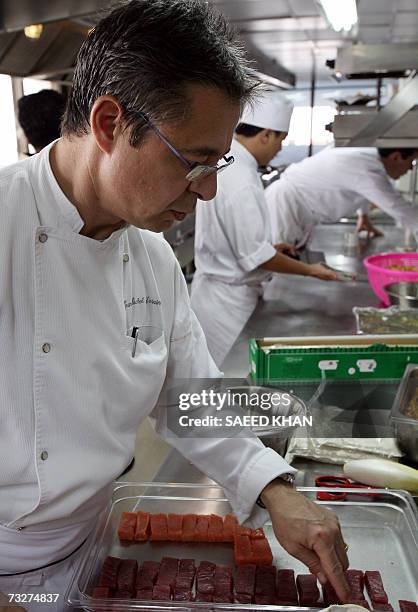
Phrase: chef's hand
x=6 y=606
x=323 y=273
x=364 y=225
x=286 y=248
x=309 y=532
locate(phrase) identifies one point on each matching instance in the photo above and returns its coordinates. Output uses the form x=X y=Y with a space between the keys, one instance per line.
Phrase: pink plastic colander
x=380 y=276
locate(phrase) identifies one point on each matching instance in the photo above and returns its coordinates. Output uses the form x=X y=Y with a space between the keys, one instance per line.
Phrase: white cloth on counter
x=71 y=394
x=330 y=185
x=232 y=241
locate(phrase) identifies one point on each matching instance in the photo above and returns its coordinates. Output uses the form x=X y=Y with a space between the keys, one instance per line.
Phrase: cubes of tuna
x=205 y=578
x=185 y=577
x=223 y=584
x=182 y=595
x=382 y=608
x=122 y=595
x=168 y=572
x=127 y=526
x=286 y=592
x=245 y=580
x=355 y=580
x=147 y=575
x=101 y=592
x=161 y=592
x=261 y=552
x=175 y=527
x=265 y=585
x=229 y=525
x=109 y=573
x=158 y=523
x=142 y=529
x=189 y=527
x=215 y=528
x=202 y=525
x=360 y=602
x=242 y=550
x=144 y=594
x=307 y=589
x=329 y=595
x=128 y=570
x=243 y=598
x=407 y=606
x=375 y=589
x=203 y=596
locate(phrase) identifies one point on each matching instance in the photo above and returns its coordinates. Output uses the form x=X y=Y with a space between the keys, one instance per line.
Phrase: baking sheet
x=386 y=320
x=381 y=534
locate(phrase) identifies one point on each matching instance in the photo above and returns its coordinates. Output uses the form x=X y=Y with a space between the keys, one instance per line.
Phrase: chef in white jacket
x=335 y=183
x=234 y=249
x=80 y=279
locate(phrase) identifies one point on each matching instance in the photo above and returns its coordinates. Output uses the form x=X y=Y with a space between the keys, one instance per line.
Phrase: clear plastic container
x=382 y=534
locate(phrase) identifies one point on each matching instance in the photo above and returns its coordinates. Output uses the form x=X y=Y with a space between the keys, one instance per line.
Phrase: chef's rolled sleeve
x=242 y=466
x=249 y=234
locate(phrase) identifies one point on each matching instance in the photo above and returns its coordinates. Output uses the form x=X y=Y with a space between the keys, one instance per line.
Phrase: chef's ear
x=265 y=135
x=106 y=121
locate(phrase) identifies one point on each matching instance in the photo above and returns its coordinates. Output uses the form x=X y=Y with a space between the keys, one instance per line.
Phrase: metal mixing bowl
x=404 y=295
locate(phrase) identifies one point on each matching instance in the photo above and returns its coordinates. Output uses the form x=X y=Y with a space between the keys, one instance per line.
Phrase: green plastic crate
x=335 y=357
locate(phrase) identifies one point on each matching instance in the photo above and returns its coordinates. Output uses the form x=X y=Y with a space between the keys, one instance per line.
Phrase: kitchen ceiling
x=294 y=33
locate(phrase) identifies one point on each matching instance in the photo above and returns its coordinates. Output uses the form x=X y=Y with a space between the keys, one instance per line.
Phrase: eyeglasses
x=196 y=171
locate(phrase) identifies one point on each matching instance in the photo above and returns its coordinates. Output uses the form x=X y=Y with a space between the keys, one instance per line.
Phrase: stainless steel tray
x=382 y=534
x=404 y=415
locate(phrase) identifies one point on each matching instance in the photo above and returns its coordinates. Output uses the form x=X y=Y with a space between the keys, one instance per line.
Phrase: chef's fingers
x=333 y=568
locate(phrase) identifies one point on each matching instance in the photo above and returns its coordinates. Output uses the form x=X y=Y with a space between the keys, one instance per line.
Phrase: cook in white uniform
x=77 y=277
x=336 y=183
x=234 y=250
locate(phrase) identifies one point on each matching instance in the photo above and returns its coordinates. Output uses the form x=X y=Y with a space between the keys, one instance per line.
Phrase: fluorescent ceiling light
x=341 y=14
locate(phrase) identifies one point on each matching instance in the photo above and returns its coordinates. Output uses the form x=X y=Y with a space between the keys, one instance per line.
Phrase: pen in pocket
x=134 y=335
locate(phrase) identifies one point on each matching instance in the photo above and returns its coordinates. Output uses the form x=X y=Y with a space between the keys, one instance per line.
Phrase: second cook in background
x=335 y=183
x=234 y=250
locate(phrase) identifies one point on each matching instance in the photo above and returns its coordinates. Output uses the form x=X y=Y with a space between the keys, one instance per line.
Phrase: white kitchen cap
x=271 y=110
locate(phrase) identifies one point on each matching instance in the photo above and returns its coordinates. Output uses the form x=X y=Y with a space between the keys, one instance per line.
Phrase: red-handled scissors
x=340 y=482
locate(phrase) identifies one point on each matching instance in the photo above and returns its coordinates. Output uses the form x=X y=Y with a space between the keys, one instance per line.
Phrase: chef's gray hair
x=145 y=53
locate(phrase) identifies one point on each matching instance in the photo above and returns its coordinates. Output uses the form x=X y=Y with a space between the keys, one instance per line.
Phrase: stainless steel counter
x=295 y=307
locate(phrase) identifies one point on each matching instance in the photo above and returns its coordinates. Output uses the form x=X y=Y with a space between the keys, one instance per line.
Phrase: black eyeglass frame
x=196 y=171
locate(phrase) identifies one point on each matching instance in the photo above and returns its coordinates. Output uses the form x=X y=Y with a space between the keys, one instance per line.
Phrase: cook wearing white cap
x=234 y=250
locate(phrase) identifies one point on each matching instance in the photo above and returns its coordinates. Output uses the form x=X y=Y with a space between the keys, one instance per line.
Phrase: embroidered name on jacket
x=143 y=300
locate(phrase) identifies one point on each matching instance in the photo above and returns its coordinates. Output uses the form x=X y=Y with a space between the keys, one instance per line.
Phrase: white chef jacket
x=332 y=184
x=232 y=240
x=71 y=394
x=233 y=237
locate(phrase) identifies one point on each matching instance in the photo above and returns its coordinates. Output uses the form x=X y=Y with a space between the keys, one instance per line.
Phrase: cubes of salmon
x=375 y=589
x=142 y=529
x=257 y=534
x=127 y=526
x=128 y=570
x=175 y=527
x=265 y=585
x=286 y=592
x=261 y=552
x=158 y=524
x=242 y=550
x=229 y=525
x=215 y=528
x=189 y=527
x=109 y=573
x=307 y=589
x=202 y=526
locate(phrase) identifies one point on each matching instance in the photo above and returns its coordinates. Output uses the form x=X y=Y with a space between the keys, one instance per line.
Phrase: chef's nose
x=205 y=188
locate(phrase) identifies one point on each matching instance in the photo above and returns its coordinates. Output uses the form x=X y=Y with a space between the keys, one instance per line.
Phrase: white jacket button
x=43 y=237
x=46 y=347
x=44 y=455
x=125 y=258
